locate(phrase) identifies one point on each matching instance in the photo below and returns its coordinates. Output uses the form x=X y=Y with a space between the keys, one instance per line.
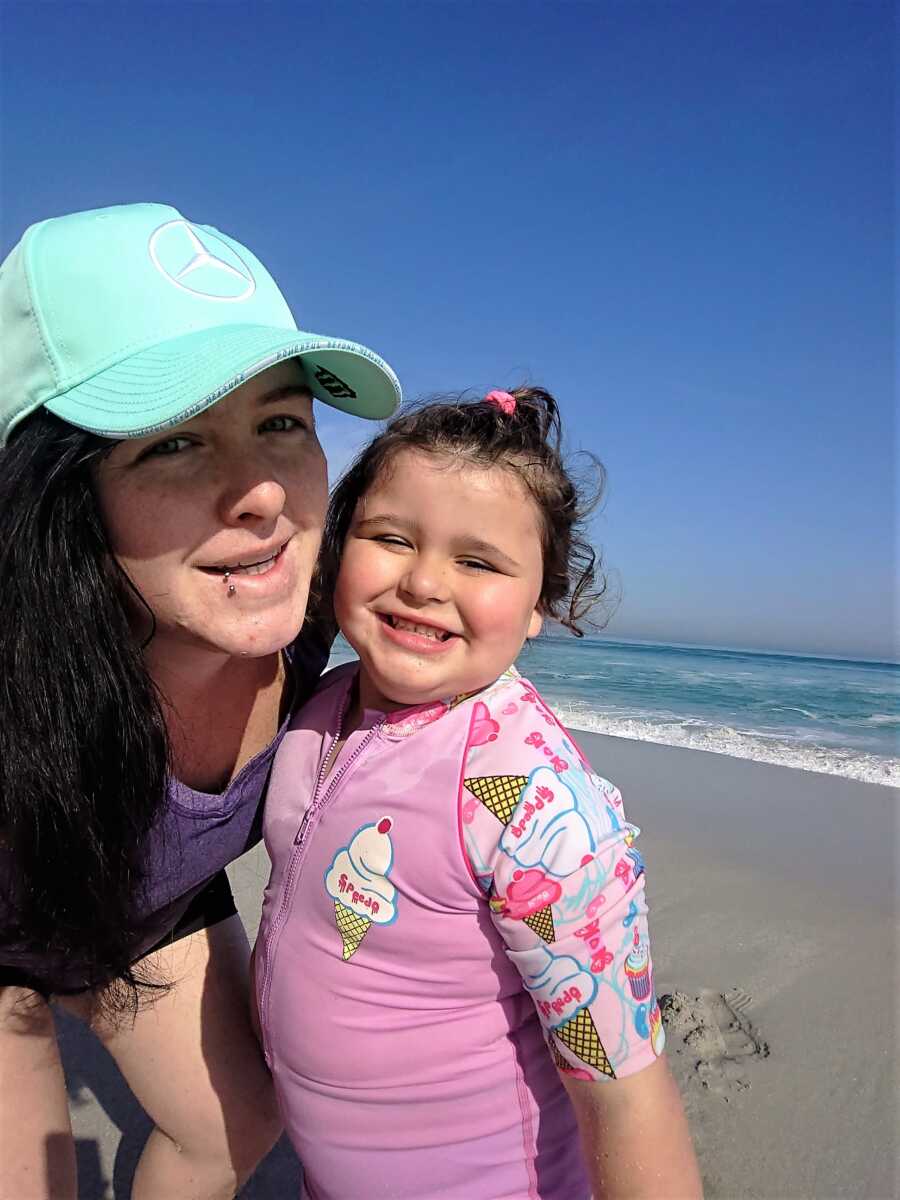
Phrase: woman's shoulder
x=324 y=699
x=307 y=656
x=339 y=676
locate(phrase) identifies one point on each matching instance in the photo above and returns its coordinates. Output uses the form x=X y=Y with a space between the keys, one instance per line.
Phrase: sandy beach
x=774 y=924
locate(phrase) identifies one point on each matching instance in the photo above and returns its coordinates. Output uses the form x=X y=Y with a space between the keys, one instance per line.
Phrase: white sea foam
x=804 y=712
x=722 y=739
x=665 y=716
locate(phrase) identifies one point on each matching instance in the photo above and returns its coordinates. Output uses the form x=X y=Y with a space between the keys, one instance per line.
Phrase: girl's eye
x=476 y=564
x=281 y=424
x=390 y=539
x=166 y=448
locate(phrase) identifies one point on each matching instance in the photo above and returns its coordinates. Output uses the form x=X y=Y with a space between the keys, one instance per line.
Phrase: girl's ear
x=535 y=624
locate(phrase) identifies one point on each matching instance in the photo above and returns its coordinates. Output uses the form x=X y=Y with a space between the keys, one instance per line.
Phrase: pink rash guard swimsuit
x=455 y=913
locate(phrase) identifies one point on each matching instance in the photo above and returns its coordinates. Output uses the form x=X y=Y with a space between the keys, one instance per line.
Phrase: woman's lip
x=272 y=584
x=240 y=566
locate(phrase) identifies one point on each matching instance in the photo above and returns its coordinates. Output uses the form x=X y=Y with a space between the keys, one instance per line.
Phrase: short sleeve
x=548 y=842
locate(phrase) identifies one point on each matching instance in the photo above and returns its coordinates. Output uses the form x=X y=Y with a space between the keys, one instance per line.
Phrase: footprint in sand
x=716 y=1035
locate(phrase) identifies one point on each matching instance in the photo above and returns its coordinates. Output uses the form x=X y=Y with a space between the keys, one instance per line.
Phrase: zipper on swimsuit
x=297 y=853
x=318 y=803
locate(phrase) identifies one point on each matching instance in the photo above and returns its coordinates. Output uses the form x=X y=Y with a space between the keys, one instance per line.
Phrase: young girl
x=453 y=971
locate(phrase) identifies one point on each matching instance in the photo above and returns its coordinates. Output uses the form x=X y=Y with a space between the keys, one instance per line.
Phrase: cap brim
x=166 y=384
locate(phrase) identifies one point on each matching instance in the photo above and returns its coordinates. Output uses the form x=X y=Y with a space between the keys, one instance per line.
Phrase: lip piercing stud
x=231 y=588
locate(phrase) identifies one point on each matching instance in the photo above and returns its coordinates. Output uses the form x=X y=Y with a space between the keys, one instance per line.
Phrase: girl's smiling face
x=242 y=486
x=439 y=581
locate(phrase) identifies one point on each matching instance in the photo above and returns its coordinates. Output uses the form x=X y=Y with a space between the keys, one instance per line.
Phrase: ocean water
x=818 y=714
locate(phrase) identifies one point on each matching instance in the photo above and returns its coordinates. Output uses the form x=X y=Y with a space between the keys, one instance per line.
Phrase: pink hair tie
x=502 y=400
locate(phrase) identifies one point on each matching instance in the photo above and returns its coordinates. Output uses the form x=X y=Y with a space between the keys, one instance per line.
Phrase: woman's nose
x=253 y=500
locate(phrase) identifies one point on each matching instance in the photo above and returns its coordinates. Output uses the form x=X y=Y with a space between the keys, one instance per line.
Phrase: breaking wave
x=722 y=739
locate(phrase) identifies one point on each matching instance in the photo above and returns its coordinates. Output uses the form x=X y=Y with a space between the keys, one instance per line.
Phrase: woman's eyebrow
x=287 y=391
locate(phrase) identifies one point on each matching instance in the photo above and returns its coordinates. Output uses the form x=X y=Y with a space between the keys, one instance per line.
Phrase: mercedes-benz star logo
x=206 y=266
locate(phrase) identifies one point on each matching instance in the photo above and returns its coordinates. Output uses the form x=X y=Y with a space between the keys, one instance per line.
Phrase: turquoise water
x=820 y=714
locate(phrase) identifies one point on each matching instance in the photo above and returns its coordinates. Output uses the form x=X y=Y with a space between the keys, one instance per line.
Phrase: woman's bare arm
x=37 y=1153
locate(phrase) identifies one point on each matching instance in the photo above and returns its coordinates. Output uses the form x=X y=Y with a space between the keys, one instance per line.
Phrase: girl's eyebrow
x=491 y=551
x=470 y=545
x=390 y=518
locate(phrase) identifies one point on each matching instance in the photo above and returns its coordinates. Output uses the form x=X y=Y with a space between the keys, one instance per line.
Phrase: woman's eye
x=167 y=447
x=390 y=539
x=282 y=424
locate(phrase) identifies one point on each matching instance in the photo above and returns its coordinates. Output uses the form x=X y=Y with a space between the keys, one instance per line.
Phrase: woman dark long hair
x=162 y=493
x=83 y=747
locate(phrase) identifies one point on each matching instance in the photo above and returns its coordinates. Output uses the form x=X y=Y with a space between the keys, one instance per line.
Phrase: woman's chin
x=239 y=634
x=254 y=637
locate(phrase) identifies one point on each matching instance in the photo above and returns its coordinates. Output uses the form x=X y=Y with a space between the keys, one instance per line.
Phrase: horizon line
x=844 y=658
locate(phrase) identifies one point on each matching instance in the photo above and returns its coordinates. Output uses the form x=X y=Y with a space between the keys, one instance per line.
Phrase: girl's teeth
x=424 y=630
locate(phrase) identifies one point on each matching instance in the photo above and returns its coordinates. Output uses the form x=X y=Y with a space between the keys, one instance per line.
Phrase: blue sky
x=678 y=217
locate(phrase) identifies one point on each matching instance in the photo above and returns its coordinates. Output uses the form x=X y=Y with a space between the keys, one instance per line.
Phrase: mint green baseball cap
x=128 y=320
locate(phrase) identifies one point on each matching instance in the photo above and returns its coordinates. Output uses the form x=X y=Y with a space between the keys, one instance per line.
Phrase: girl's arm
x=549 y=844
x=634 y=1136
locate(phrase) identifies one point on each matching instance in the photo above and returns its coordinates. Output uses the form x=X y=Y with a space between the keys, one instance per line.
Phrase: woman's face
x=240 y=488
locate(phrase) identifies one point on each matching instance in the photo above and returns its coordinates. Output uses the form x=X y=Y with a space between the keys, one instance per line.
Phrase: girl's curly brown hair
x=527 y=442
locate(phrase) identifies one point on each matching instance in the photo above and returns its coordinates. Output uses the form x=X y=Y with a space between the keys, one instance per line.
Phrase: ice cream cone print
x=357 y=881
x=562 y=1063
x=352 y=928
x=498 y=793
x=559 y=1061
x=541 y=923
x=530 y=896
x=581 y=1037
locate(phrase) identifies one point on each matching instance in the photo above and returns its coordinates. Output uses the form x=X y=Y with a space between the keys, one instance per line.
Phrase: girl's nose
x=424 y=580
x=252 y=501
